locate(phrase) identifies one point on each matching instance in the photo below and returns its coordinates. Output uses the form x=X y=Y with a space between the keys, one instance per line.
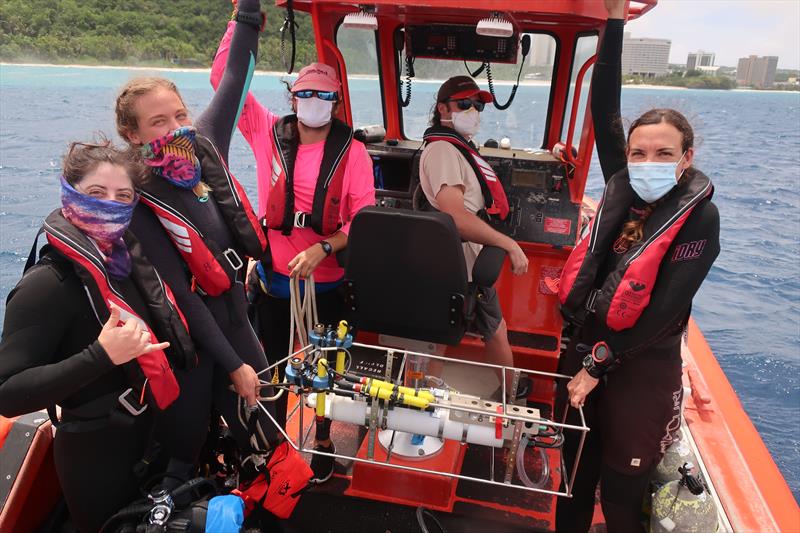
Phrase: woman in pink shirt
x=313 y=177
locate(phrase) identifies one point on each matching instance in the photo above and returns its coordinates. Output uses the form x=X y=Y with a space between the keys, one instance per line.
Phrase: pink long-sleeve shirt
x=358 y=189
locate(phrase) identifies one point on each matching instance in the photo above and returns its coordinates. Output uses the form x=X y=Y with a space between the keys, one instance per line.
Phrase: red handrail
x=576 y=98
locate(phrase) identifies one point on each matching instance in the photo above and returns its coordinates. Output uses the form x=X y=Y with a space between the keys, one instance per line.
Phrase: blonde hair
x=127 y=121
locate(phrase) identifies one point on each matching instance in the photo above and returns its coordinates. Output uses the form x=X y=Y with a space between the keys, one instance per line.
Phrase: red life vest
x=625 y=292
x=325 y=216
x=494 y=196
x=213 y=268
x=150 y=375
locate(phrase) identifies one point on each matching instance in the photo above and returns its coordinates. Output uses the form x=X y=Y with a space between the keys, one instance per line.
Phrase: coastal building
x=757 y=71
x=701 y=58
x=644 y=56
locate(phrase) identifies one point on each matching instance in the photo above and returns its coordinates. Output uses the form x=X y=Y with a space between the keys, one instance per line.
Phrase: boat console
x=536 y=184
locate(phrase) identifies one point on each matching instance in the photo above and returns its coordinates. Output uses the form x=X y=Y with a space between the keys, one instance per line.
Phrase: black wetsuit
x=634 y=411
x=219 y=325
x=50 y=355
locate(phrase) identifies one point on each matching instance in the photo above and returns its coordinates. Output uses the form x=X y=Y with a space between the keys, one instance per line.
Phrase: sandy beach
x=351 y=76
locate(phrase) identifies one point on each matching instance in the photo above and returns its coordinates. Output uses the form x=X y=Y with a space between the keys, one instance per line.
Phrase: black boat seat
x=406 y=276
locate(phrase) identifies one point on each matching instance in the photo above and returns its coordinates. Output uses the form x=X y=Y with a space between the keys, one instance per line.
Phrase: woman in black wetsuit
x=628 y=285
x=93 y=356
x=197 y=227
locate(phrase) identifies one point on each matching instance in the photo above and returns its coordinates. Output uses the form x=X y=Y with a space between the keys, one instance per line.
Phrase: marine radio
x=452 y=41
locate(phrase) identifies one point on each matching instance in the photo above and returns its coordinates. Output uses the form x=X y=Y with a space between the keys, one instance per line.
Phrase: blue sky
x=730 y=28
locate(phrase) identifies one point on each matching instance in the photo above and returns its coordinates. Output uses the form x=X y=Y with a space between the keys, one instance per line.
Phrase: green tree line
x=148 y=32
x=176 y=33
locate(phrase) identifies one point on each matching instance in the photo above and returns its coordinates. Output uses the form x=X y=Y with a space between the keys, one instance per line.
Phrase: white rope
x=302 y=319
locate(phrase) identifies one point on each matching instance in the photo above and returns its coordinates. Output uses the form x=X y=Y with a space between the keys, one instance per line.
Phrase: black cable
x=526 y=46
x=291 y=25
x=477 y=72
x=422 y=513
x=406 y=100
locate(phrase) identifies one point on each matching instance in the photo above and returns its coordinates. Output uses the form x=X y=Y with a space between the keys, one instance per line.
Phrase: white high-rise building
x=701 y=58
x=644 y=56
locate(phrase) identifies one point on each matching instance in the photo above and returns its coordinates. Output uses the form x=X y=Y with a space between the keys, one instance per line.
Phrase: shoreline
x=530 y=83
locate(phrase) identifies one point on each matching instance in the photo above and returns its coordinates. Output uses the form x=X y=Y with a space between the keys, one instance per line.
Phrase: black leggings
x=630 y=414
x=272 y=320
x=95 y=469
x=210 y=383
x=621 y=495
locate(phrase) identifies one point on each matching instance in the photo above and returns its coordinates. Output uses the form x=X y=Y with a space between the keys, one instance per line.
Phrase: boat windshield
x=524 y=122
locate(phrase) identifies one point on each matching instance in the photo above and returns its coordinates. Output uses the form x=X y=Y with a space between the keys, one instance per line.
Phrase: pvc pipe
x=409 y=420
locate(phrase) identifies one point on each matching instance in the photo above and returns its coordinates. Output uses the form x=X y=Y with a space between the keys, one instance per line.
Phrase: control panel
x=537 y=189
x=451 y=41
x=536 y=186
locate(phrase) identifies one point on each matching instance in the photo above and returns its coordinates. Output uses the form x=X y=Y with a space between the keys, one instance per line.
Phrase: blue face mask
x=651 y=181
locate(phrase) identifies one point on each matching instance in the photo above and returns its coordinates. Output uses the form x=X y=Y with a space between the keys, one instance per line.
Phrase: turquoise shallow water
x=748 y=143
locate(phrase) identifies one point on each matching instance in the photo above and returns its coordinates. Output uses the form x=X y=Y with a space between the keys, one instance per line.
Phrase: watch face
x=600 y=353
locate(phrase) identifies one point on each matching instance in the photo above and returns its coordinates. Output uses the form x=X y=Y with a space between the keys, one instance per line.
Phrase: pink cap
x=316 y=77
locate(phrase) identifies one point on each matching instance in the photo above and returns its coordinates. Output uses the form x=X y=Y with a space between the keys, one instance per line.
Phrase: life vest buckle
x=591 y=299
x=233 y=258
x=299 y=219
x=128 y=400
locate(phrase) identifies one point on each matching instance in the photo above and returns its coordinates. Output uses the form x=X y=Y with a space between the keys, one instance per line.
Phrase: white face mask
x=314 y=112
x=651 y=181
x=467 y=123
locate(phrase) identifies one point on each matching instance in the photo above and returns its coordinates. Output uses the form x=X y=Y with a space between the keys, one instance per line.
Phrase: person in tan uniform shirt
x=451 y=186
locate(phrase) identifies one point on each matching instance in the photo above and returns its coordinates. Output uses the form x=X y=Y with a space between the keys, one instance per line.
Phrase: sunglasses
x=465 y=103
x=328 y=96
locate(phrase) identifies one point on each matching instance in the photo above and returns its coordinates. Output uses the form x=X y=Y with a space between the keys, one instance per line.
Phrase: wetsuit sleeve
x=203 y=327
x=33 y=374
x=605 y=101
x=682 y=271
x=220 y=117
x=360 y=184
x=255 y=120
x=255 y=123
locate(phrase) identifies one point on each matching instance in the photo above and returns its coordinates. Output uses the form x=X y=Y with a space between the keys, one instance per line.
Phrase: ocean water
x=747 y=142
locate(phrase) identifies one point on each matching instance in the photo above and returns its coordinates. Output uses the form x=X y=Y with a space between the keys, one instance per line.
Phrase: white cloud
x=730 y=28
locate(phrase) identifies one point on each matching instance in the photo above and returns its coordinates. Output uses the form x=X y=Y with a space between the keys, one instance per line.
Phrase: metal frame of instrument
x=511 y=418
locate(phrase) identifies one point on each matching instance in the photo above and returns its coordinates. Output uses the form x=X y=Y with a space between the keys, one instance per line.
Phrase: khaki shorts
x=487 y=314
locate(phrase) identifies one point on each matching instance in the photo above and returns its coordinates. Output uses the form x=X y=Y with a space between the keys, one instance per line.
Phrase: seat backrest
x=406 y=274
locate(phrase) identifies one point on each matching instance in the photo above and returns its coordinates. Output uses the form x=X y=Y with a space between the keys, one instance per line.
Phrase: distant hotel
x=702 y=61
x=646 y=57
x=757 y=71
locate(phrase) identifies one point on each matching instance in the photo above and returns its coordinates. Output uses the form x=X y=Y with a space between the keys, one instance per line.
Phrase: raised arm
x=605 y=99
x=219 y=119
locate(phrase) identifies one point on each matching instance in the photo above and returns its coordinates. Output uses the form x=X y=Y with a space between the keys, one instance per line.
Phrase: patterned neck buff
x=104 y=221
x=172 y=157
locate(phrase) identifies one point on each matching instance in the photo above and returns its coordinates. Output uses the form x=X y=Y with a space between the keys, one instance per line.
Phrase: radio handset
x=400 y=46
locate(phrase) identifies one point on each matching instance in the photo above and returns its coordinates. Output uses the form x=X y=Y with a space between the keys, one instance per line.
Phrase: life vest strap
x=111 y=409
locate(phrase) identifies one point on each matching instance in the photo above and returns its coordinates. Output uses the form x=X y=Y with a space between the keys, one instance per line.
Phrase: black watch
x=326 y=247
x=599 y=361
x=256 y=19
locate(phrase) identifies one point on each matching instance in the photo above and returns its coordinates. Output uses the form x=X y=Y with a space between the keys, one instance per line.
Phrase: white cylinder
x=409 y=420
